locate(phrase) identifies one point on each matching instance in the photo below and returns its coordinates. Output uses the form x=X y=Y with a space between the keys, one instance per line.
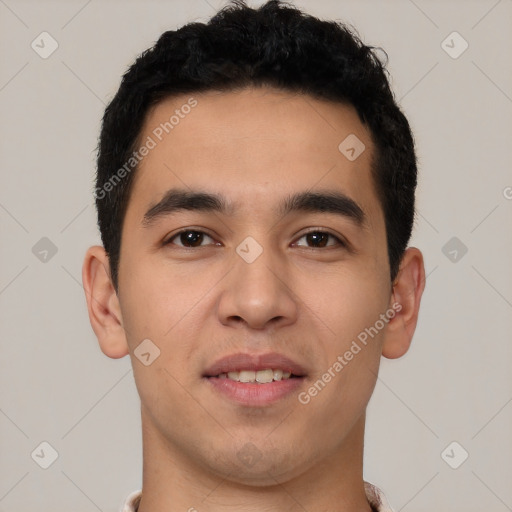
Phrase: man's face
x=254 y=280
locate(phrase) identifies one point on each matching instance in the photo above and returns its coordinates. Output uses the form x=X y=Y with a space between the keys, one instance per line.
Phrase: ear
x=406 y=297
x=103 y=303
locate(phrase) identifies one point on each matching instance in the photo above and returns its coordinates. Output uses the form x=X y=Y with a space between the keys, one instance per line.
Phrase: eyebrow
x=328 y=201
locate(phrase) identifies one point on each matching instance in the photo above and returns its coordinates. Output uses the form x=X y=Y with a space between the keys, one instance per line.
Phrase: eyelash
x=340 y=242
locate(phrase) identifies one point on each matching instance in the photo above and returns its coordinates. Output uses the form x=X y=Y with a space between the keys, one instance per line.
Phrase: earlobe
x=103 y=303
x=405 y=300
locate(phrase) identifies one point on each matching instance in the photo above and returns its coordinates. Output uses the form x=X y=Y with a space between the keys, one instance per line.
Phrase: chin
x=251 y=467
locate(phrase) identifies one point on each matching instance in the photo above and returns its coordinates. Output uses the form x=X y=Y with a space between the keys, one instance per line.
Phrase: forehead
x=254 y=145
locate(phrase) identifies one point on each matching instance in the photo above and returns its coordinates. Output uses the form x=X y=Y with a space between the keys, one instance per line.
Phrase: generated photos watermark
x=343 y=360
x=150 y=143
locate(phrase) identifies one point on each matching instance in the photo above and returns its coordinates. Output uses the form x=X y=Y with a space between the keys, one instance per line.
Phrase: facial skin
x=255 y=147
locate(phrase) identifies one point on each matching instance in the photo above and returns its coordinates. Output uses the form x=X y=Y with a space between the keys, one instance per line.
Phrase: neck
x=172 y=482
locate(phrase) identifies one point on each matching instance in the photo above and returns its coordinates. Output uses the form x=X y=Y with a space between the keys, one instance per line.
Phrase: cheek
x=341 y=388
x=348 y=303
x=156 y=298
x=160 y=309
x=351 y=306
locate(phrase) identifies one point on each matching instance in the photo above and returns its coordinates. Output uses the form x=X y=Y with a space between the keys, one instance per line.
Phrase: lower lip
x=254 y=394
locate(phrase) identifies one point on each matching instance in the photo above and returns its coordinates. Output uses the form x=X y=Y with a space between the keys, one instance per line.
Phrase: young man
x=255 y=196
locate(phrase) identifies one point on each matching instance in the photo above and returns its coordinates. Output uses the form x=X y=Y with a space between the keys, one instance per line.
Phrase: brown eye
x=188 y=238
x=319 y=239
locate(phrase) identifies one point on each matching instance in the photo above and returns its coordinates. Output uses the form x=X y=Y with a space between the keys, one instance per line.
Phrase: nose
x=258 y=294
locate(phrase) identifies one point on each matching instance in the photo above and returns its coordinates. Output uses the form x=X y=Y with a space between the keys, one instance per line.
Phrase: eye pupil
x=191 y=237
x=317 y=238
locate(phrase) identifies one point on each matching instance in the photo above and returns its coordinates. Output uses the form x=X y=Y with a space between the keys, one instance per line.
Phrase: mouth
x=260 y=376
x=255 y=380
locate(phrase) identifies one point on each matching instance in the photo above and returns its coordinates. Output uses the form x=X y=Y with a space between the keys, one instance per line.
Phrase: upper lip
x=243 y=361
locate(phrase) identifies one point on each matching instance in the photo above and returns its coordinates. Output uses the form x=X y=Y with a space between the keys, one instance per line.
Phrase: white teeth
x=264 y=376
x=261 y=376
x=278 y=374
x=247 y=376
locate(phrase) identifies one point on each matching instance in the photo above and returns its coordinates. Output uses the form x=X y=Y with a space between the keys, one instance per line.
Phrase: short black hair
x=275 y=45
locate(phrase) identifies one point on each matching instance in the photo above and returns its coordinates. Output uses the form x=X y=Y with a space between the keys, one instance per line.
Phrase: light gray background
x=455 y=384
